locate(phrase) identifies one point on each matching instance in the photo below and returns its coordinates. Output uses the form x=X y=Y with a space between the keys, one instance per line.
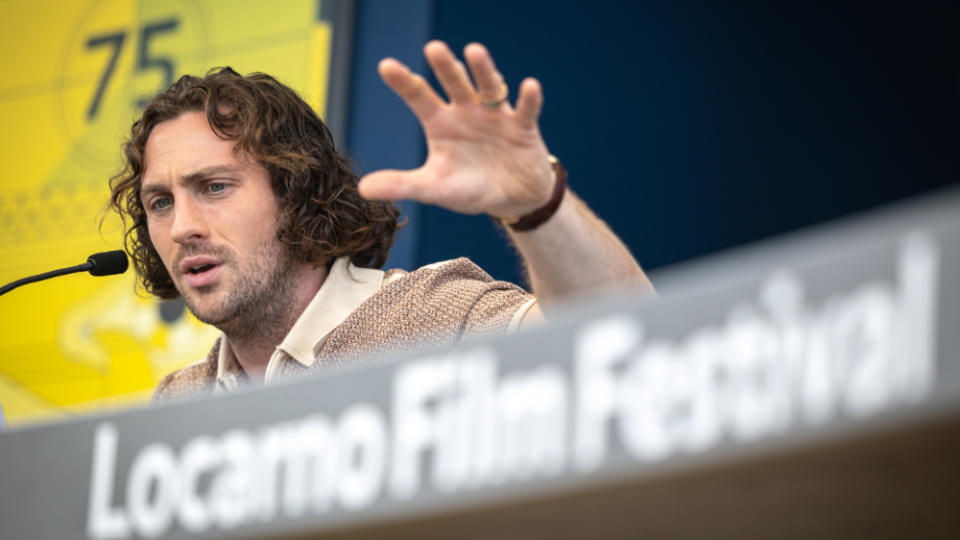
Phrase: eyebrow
x=195 y=176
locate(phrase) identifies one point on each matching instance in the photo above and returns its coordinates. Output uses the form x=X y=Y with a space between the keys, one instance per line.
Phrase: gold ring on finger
x=495 y=102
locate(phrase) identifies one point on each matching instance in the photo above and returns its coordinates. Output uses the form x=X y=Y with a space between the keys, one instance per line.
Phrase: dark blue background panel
x=695 y=127
x=382 y=133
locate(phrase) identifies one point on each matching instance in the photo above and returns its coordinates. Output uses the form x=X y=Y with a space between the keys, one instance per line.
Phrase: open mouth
x=200 y=268
x=201 y=273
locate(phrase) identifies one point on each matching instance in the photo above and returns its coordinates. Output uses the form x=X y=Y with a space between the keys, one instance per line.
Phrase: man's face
x=212 y=217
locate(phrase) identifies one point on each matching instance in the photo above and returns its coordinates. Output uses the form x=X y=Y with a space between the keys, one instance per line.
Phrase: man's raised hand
x=480 y=158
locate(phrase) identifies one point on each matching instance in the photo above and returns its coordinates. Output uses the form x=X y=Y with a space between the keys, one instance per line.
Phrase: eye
x=216 y=187
x=160 y=203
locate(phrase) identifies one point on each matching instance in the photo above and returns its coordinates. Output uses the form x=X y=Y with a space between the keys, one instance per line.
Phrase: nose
x=189 y=223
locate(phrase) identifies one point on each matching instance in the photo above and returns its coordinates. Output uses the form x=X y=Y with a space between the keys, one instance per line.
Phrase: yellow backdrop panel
x=75 y=74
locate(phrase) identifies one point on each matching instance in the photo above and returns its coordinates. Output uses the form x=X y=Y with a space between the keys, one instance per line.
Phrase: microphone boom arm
x=46 y=275
x=99 y=264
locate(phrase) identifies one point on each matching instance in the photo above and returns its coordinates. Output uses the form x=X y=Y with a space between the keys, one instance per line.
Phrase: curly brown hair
x=322 y=215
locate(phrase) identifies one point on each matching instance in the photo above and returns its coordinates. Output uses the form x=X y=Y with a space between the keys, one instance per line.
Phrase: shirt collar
x=344 y=289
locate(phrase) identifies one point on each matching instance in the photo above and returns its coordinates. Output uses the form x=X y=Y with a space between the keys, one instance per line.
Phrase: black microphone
x=107 y=263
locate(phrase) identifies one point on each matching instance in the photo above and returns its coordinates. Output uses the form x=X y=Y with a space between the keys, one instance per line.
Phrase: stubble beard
x=258 y=301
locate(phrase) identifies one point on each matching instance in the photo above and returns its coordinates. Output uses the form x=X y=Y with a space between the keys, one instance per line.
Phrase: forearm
x=575 y=253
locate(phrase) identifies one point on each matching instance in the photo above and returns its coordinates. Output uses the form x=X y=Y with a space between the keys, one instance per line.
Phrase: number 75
x=145 y=61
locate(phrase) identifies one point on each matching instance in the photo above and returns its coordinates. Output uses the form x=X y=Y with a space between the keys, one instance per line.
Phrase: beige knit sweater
x=427 y=307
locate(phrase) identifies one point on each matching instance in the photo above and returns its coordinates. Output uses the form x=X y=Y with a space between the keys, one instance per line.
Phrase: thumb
x=390 y=185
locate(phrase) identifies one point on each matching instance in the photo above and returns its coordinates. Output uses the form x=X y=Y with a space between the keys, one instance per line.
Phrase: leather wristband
x=539 y=216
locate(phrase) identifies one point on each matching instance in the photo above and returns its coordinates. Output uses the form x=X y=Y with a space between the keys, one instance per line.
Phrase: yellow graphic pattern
x=75 y=75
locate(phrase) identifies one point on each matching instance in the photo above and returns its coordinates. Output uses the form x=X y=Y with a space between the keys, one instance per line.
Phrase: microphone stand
x=46 y=275
x=107 y=263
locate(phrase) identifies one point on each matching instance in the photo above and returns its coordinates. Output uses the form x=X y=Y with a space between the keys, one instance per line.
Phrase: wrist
x=534 y=219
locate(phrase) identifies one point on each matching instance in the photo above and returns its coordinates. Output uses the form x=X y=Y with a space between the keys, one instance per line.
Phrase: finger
x=392 y=185
x=530 y=102
x=413 y=89
x=489 y=81
x=450 y=72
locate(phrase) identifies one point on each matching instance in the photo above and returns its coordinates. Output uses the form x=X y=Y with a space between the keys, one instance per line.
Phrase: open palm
x=480 y=158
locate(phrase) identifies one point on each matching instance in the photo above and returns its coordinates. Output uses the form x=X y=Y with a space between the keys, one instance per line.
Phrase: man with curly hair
x=236 y=199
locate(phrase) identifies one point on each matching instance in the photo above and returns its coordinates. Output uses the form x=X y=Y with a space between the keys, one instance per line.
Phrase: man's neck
x=254 y=349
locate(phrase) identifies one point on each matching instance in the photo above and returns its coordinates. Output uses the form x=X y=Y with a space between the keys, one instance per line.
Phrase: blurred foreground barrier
x=805 y=387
